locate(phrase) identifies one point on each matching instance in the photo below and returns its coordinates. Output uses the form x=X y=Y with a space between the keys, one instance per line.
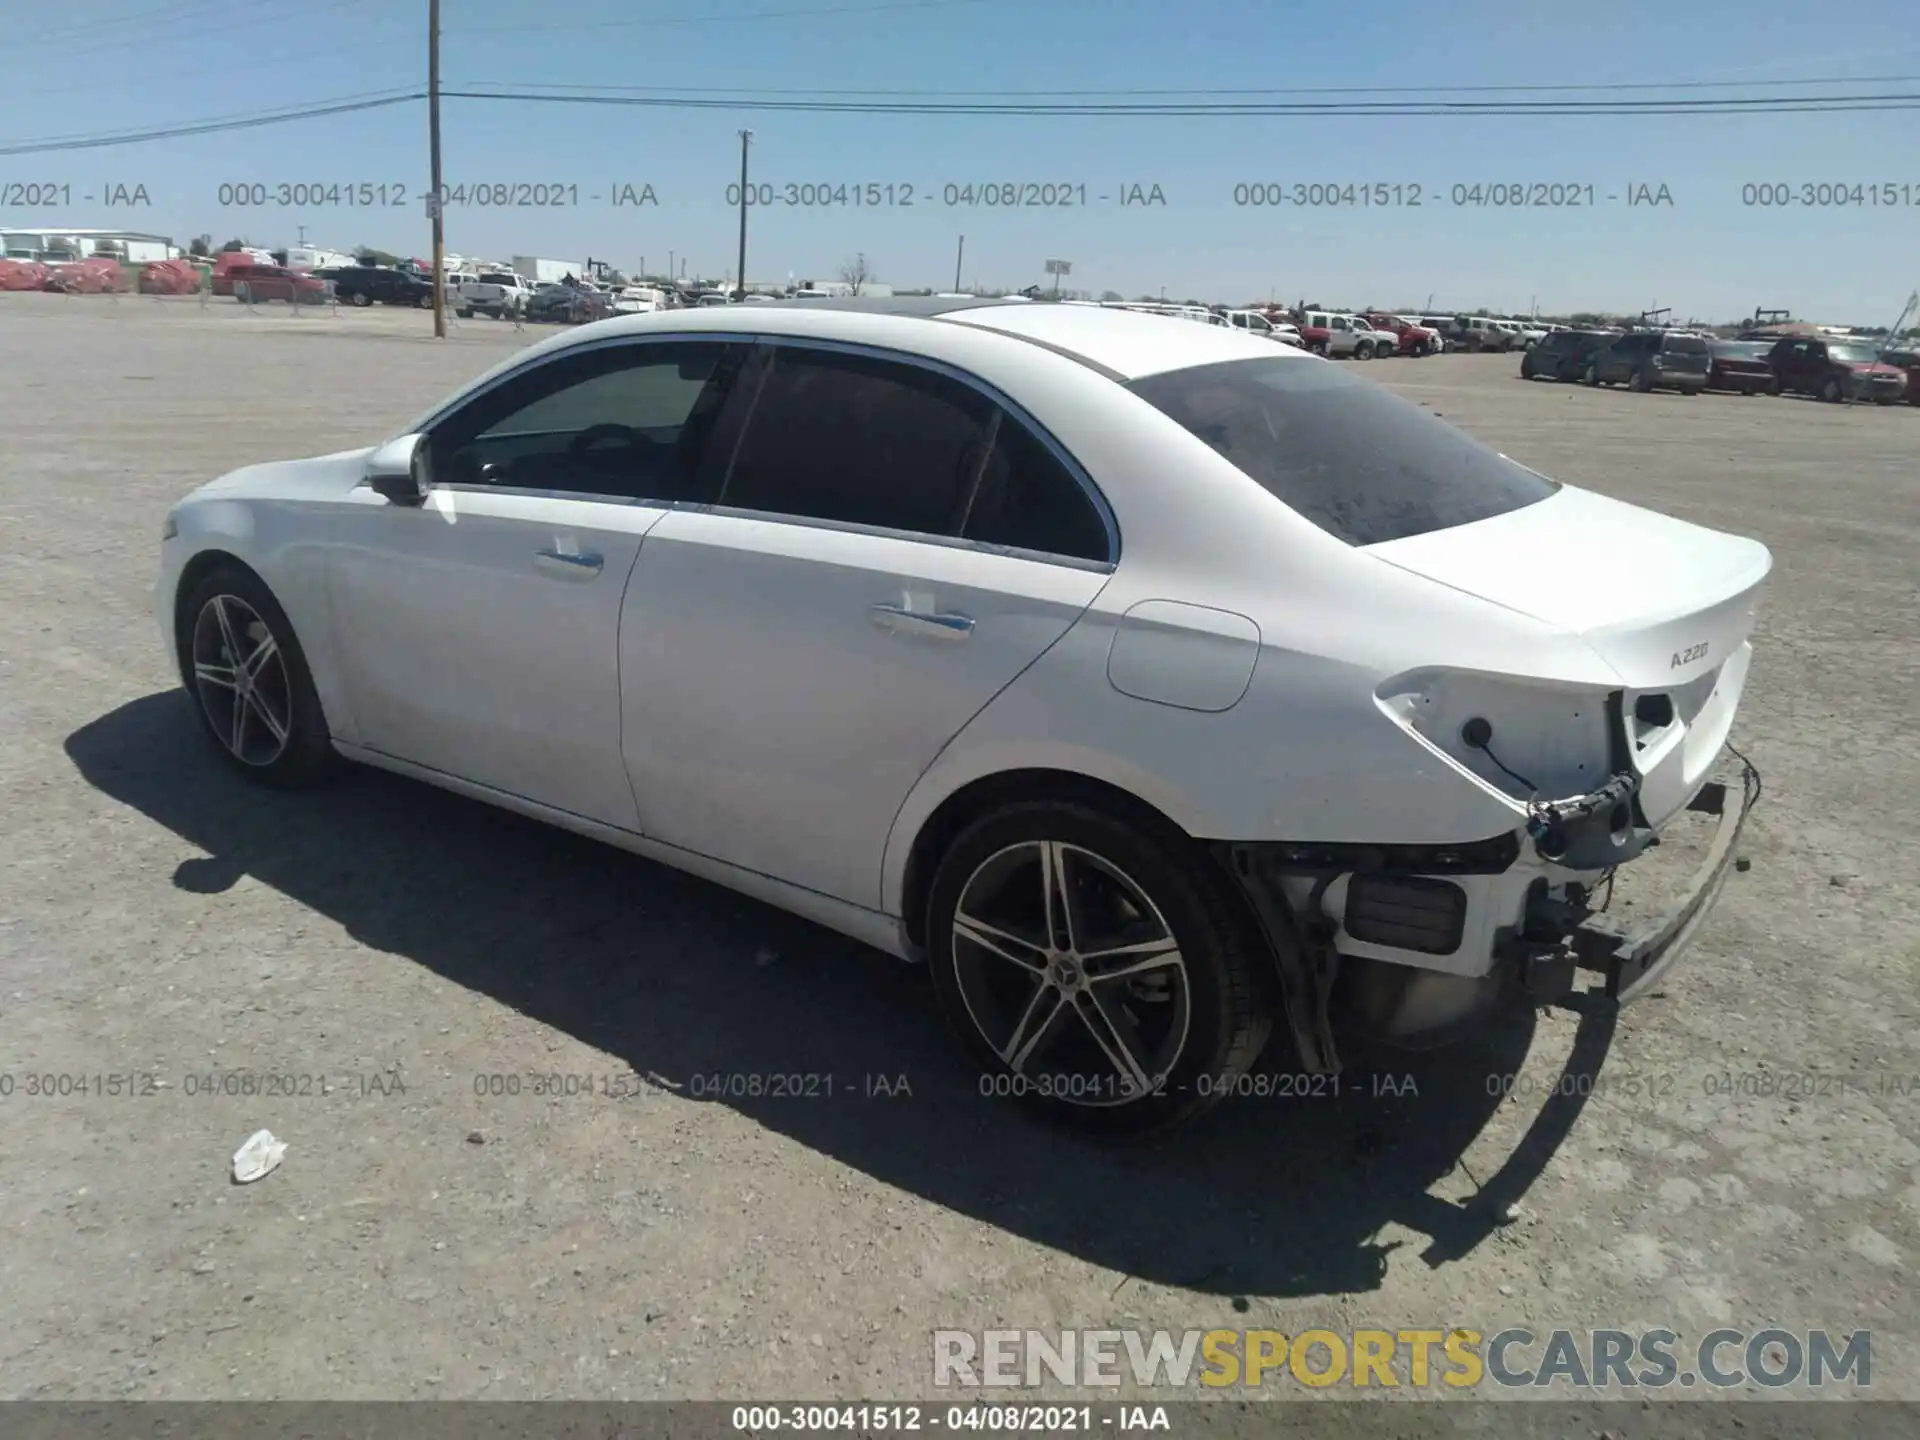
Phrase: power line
x=734 y=17
x=1765 y=105
x=772 y=101
x=1404 y=90
x=222 y=27
x=212 y=127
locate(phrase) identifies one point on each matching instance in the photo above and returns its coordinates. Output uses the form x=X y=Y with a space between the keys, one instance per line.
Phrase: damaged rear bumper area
x=1394 y=943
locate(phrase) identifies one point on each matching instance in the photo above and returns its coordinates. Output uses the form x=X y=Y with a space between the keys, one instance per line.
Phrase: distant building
x=65 y=243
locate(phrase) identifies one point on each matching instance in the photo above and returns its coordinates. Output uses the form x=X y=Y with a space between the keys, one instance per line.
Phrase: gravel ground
x=409 y=959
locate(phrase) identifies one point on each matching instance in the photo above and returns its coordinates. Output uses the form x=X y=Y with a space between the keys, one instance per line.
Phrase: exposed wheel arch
x=977 y=797
x=191 y=574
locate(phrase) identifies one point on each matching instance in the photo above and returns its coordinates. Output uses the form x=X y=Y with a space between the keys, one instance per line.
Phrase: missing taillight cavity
x=1654 y=711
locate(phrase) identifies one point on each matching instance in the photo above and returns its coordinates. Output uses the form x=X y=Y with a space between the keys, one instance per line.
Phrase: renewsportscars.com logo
x=1454 y=1357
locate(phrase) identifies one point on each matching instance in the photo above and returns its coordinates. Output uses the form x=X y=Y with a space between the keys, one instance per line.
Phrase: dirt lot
x=420 y=955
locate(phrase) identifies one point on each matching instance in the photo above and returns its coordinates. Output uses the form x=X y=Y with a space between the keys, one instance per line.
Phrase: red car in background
x=1740 y=366
x=1909 y=361
x=1414 y=339
x=252 y=283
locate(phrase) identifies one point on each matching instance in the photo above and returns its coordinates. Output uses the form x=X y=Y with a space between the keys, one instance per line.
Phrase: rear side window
x=1684 y=345
x=1026 y=498
x=1356 y=460
x=861 y=441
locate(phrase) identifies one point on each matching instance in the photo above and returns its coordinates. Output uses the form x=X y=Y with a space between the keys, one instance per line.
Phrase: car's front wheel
x=1637 y=382
x=1830 y=392
x=248 y=676
x=1101 y=973
x=1592 y=376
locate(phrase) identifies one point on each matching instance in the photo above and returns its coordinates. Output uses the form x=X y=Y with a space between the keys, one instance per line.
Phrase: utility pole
x=433 y=153
x=957 y=259
x=671 y=277
x=746 y=136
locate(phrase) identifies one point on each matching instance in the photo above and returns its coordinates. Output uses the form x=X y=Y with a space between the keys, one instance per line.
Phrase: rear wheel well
x=971 y=801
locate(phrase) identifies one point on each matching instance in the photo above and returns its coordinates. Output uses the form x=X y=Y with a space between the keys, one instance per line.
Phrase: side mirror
x=398 y=470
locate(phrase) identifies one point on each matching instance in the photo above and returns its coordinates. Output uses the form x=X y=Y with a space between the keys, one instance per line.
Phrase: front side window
x=1359 y=462
x=623 y=421
x=858 y=440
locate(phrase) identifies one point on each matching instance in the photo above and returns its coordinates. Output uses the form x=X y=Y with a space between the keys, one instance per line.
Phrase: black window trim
x=981 y=387
x=595 y=497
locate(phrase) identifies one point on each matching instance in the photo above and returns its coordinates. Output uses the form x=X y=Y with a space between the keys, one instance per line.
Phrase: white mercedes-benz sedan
x=1150 y=681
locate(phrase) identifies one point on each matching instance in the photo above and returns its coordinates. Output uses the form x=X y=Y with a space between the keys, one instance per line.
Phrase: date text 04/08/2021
x=1477 y=195
x=396 y=195
x=829 y=194
x=868 y=1418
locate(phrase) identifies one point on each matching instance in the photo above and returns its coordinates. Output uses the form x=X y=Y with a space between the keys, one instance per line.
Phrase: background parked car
x=503 y=294
x=367 y=284
x=1834 y=371
x=1653 y=360
x=1442 y=328
x=1329 y=333
x=1909 y=362
x=568 y=305
x=1369 y=342
x=1564 y=354
x=253 y=283
x=1411 y=337
x=1740 y=366
x=1474 y=333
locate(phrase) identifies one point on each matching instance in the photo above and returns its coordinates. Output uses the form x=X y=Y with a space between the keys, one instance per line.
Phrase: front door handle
x=939 y=624
x=568 y=566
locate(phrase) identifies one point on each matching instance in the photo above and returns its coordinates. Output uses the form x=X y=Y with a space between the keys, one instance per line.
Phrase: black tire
x=1830 y=392
x=1637 y=382
x=1592 y=376
x=1205 y=1030
x=362 y=299
x=284 y=692
x=464 y=314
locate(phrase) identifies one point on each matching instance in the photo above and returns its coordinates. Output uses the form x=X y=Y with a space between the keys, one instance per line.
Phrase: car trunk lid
x=1662 y=601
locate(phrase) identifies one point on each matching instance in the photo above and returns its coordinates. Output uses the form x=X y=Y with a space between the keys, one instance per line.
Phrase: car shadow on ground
x=1280 y=1194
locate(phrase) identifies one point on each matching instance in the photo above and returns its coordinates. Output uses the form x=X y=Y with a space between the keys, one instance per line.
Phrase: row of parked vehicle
x=1832 y=369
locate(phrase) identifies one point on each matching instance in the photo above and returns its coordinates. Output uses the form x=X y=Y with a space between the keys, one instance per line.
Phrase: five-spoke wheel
x=243 y=665
x=241 y=680
x=1070 y=971
x=1098 y=965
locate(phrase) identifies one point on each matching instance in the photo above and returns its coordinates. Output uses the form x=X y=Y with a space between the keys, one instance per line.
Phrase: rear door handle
x=938 y=624
x=567 y=566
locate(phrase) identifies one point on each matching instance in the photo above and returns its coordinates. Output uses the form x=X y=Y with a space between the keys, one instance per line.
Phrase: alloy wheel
x=240 y=678
x=1071 y=974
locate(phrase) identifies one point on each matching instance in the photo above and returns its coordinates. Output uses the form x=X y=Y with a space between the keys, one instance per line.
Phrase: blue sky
x=104 y=65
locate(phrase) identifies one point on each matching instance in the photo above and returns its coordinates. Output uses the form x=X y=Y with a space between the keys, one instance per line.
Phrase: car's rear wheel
x=248 y=676
x=1101 y=973
x=362 y=298
x=464 y=314
x=1637 y=382
x=1592 y=376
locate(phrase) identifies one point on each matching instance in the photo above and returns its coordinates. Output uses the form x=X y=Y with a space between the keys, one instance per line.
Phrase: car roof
x=1122 y=344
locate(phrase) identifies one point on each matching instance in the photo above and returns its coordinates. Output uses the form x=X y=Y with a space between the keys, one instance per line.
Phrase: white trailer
x=536 y=271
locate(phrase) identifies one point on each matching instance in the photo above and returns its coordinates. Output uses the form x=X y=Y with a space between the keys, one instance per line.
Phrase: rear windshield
x=1742 y=349
x=1356 y=460
x=1683 y=345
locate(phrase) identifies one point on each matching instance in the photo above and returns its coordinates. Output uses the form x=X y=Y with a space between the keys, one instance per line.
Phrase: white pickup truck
x=499 y=293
